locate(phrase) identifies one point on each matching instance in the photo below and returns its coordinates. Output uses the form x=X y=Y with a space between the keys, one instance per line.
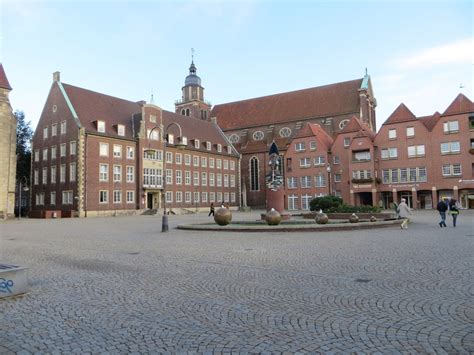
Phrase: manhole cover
x=133 y=253
x=362 y=280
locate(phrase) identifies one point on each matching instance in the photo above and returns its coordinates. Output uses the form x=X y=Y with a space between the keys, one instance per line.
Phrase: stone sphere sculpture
x=373 y=219
x=222 y=216
x=273 y=217
x=321 y=218
x=353 y=218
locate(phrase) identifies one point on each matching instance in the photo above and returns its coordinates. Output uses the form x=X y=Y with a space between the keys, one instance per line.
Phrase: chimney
x=56 y=76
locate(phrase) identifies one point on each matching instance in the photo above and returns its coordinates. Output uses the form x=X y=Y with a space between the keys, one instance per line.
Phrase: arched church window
x=187 y=112
x=254 y=183
x=343 y=124
x=258 y=135
x=234 y=138
x=285 y=132
x=183 y=112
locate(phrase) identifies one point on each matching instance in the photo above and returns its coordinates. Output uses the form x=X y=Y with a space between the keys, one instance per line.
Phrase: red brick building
x=95 y=154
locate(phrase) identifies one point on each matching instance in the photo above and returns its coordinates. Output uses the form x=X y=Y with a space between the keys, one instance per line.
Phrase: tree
x=24 y=134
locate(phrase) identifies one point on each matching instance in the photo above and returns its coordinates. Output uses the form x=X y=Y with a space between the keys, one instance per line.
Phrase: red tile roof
x=460 y=104
x=320 y=101
x=430 y=121
x=355 y=125
x=4 y=84
x=315 y=130
x=401 y=114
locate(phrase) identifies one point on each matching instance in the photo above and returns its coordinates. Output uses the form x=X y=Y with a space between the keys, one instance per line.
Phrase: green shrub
x=334 y=204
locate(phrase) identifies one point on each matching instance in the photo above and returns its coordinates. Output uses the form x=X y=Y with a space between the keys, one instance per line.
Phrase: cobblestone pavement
x=118 y=285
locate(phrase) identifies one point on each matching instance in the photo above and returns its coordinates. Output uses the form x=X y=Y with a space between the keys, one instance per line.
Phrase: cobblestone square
x=119 y=285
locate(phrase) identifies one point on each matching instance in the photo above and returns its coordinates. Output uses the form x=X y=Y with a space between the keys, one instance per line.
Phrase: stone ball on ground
x=222 y=216
x=273 y=217
x=373 y=219
x=353 y=218
x=321 y=218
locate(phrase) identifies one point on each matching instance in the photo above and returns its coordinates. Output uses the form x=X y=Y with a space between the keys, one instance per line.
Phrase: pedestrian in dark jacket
x=442 y=208
x=454 y=210
x=211 y=209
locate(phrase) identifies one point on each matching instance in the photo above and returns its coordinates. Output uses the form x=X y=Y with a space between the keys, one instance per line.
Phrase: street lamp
x=22 y=179
x=328 y=169
x=181 y=144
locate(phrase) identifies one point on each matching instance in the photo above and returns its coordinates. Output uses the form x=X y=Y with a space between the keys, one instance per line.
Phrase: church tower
x=192 y=102
x=7 y=149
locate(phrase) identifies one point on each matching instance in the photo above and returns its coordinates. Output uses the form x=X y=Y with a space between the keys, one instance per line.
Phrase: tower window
x=183 y=112
x=254 y=183
x=187 y=112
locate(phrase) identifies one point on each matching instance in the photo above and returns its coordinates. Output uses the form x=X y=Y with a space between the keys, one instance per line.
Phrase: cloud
x=458 y=52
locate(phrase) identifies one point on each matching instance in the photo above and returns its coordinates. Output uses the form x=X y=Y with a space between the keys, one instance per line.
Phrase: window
x=53 y=174
x=305 y=201
x=226 y=180
x=219 y=196
x=312 y=145
x=187 y=177
x=152 y=177
x=204 y=178
x=203 y=162
x=103 y=172
x=178 y=157
x=179 y=177
x=130 y=174
x=101 y=126
x=416 y=151
x=62 y=150
x=117 y=173
x=153 y=134
x=219 y=180
x=320 y=180
x=121 y=130
x=471 y=122
x=361 y=174
x=219 y=148
x=53 y=152
x=103 y=196
x=306 y=182
x=187 y=197
x=72 y=172
x=62 y=173
x=389 y=153
x=347 y=142
x=450 y=148
x=45 y=132
x=392 y=134
x=197 y=144
x=170 y=138
x=452 y=170
x=403 y=175
x=196 y=197
x=72 y=148
x=254 y=174
x=285 y=132
x=292 y=202
x=44 y=179
x=40 y=199
x=211 y=179
x=226 y=164
x=151 y=154
x=36 y=177
x=218 y=164
x=451 y=127
x=337 y=177
x=45 y=154
x=232 y=165
x=179 y=196
x=362 y=155
x=229 y=149
x=299 y=147
x=130 y=197
x=336 y=159
x=187 y=159
x=204 y=197
x=169 y=157
x=195 y=160
x=63 y=127
x=54 y=131
x=232 y=180
x=104 y=149
x=211 y=163
x=226 y=197
x=52 y=198
x=319 y=160
x=234 y=138
x=410 y=132
x=232 y=197
x=37 y=155
x=394 y=175
x=258 y=135
x=212 y=197
x=169 y=177
x=153 y=118
x=67 y=197
x=305 y=162
x=208 y=145
x=117 y=196
x=386 y=176
x=117 y=151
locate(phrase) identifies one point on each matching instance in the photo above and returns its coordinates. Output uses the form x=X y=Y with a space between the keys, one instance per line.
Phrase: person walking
x=211 y=209
x=403 y=212
x=442 y=208
x=454 y=210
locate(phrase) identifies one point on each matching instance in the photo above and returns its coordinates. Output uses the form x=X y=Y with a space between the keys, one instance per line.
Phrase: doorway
x=149 y=200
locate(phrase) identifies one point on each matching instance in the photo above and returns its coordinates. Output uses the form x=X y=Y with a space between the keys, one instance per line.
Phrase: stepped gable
x=4 y=84
x=91 y=106
x=401 y=114
x=460 y=104
x=328 y=100
x=430 y=121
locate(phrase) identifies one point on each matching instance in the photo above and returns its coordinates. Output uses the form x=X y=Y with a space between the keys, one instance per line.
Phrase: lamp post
x=181 y=144
x=23 y=178
x=328 y=169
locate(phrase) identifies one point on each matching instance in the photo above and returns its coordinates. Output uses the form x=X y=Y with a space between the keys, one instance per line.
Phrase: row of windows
x=116 y=151
x=296 y=202
x=120 y=128
x=53 y=151
x=448 y=127
x=67 y=198
x=306 y=161
x=306 y=181
x=301 y=146
x=53 y=174
x=54 y=129
x=197 y=161
x=259 y=135
x=116 y=196
x=153 y=177
x=197 y=197
x=117 y=173
x=417 y=174
x=419 y=150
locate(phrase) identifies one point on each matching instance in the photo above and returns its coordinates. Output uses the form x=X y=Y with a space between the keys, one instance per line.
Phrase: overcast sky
x=417 y=52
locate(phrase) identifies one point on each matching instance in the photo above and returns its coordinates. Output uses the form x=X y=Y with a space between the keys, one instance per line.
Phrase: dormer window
x=229 y=149
x=170 y=139
x=208 y=145
x=219 y=148
x=121 y=130
x=153 y=118
x=197 y=144
x=101 y=126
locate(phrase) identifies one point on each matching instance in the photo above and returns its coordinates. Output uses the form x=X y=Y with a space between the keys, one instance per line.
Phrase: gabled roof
x=4 y=84
x=430 y=121
x=313 y=129
x=355 y=125
x=460 y=104
x=401 y=114
x=328 y=100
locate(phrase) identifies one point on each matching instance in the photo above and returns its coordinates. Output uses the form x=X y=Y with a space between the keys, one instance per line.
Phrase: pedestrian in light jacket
x=403 y=212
